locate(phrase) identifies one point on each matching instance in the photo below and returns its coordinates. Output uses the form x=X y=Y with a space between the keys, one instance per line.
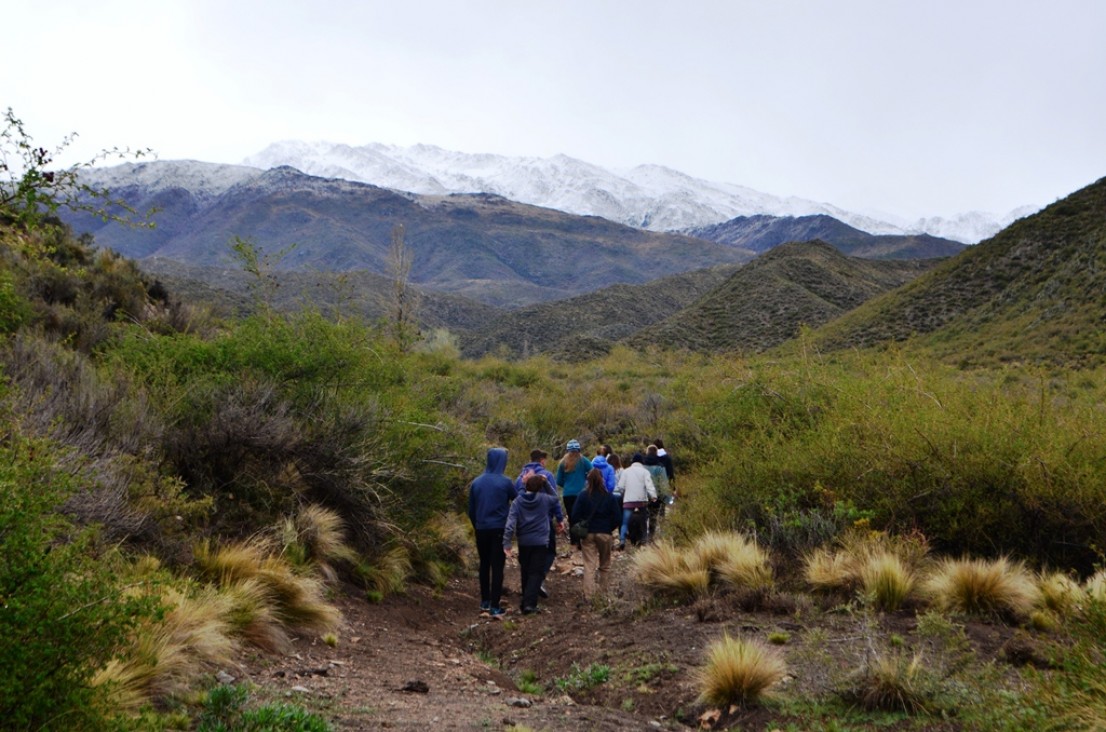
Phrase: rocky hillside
x=761 y=233
x=1031 y=292
x=767 y=301
x=481 y=246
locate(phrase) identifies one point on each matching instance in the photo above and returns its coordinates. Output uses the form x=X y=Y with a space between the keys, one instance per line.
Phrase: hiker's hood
x=497 y=460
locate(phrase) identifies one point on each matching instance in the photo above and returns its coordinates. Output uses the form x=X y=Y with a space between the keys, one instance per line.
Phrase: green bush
x=225 y=710
x=62 y=616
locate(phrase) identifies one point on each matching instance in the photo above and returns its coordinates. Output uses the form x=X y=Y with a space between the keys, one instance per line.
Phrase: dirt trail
x=415 y=662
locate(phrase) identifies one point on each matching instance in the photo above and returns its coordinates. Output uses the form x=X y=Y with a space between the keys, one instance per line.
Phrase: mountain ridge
x=646 y=196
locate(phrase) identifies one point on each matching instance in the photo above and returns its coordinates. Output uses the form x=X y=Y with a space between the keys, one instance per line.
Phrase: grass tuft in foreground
x=739 y=671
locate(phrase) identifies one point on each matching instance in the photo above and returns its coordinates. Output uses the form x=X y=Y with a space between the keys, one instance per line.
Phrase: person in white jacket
x=636 y=487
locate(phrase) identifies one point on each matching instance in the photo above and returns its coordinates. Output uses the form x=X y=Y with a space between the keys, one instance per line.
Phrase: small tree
x=405 y=299
x=31 y=190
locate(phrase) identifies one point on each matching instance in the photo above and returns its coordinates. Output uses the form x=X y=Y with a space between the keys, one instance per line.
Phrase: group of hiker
x=589 y=499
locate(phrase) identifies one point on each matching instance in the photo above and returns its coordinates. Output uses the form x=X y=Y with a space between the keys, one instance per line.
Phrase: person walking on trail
x=600 y=461
x=536 y=466
x=635 y=485
x=530 y=519
x=490 y=496
x=666 y=461
x=657 y=470
x=572 y=474
x=599 y=509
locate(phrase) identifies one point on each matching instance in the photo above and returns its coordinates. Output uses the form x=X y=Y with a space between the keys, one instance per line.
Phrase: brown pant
x=597 y=557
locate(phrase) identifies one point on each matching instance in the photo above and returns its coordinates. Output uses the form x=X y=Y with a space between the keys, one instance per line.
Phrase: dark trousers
x=489 y=545
x=531 y=567
x=570 y=501
x=552 y=549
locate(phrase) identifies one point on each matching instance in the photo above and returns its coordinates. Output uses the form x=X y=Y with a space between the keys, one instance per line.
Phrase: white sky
x=909 y=107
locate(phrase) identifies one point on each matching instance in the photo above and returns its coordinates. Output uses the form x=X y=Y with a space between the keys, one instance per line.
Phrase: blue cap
x=573 y=446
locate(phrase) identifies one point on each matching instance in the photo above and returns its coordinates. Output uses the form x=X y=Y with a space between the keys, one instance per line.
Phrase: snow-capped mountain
x=648 y=196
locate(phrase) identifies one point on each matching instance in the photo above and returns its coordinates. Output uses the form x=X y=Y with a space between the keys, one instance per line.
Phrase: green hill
x=767 y=301
x=1034 y=292
x=587 y=325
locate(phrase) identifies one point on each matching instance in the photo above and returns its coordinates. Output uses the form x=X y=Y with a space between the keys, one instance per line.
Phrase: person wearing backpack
x=637 y=489
x=598 y=510
x=572 y=473
x=530 y=518
x=490 y=497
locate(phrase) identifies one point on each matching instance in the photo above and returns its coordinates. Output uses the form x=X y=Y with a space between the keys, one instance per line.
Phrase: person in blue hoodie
x=490 y=497
x=600 y=461
x=531 y=518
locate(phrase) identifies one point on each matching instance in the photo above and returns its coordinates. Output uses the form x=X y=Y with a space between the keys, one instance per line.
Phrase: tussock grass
x=827 y=570
x=733 y=558
x=253 y=617
x=664 y=567
x=738 y=671
x=1095 y=587
x=885 y=581
x=316 y=537
x=165 y=655
x=299 y=600
x=893 y=682
x=388 y=573
x=999 y=587
x=231 y=563
x=1059 y=593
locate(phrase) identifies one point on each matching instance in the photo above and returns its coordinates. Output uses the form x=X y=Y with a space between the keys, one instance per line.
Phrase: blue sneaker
x=497 y=613
x=485 y=606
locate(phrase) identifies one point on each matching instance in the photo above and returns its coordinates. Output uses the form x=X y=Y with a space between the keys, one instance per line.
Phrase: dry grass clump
x=997 y=587
x=733 y=558
x=296 y=600
x=1095 y=587
x=885 y=581
x=662 y=566
x=892 y=682
x=739 y=671
x=879 y=567
x=316 y=537
x=830 y=571
x=1060 y=594
x=193 y=633
x=389 y=572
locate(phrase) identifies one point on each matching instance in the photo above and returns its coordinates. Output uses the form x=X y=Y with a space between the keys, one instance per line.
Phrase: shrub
x=738 y=671
x=226 y=708
x=983 y=587
x=64 y=615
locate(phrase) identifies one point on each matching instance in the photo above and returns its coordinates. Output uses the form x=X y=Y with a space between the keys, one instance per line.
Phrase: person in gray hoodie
x=531 y=518
x=490 y=497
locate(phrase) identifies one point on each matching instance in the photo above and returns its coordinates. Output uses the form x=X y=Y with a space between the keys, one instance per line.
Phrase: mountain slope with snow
x=648 y=196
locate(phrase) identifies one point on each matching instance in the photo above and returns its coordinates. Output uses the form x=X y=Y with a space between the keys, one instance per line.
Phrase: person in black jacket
x=603 y=515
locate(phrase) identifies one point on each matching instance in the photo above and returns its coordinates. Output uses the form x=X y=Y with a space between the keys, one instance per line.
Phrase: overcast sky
x=904 y=107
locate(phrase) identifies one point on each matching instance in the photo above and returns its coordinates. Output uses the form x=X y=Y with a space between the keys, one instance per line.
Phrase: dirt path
x=417 y=661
